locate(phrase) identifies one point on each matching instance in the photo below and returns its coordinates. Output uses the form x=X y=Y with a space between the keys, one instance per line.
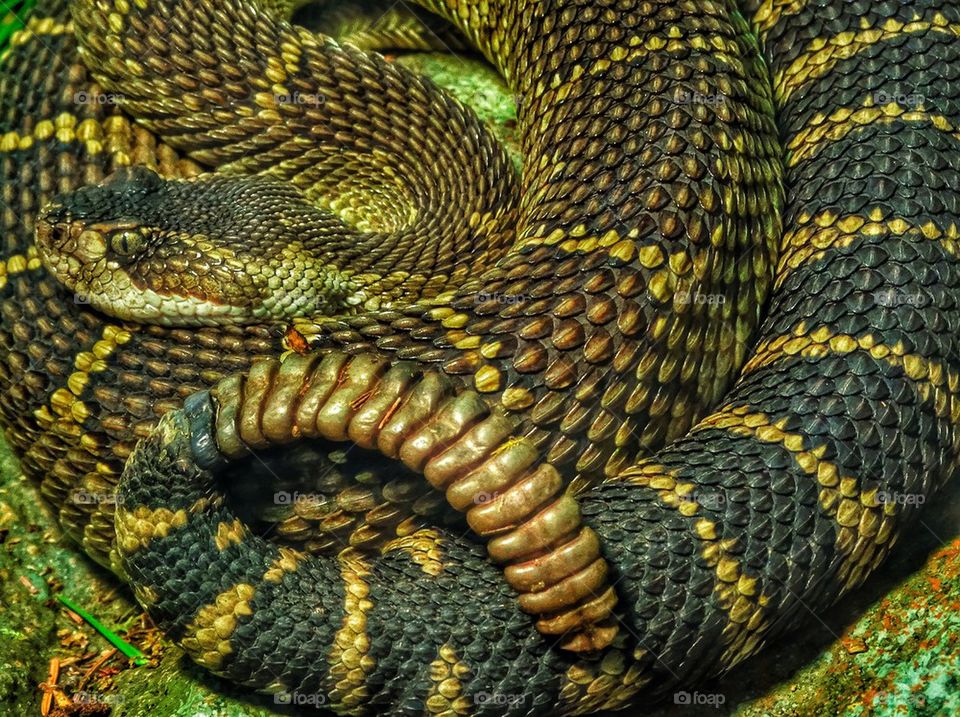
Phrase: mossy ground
x=892 y=648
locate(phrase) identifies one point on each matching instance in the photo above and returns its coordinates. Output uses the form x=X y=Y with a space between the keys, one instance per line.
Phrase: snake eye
x=127 y=242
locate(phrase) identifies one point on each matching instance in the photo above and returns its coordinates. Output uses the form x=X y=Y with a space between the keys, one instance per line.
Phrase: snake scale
x=781 y=497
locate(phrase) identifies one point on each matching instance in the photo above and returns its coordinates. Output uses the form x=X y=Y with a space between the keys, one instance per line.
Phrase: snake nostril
x=53 y=228
x=53 y=235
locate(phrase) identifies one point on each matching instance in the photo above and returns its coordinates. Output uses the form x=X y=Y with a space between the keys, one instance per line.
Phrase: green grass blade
x=118 y=642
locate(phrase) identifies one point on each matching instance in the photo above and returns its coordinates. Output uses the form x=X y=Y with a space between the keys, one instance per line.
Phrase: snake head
x=92 y=239
x=210 y=250
x=101 y=222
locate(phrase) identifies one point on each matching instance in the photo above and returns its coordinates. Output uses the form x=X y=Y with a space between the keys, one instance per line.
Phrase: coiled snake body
x=630 y=191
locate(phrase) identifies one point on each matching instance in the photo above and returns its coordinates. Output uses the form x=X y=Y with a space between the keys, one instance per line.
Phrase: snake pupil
x=127 y=243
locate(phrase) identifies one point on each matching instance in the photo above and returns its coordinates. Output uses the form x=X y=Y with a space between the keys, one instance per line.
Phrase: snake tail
x=460 y=445
x=260 y=622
